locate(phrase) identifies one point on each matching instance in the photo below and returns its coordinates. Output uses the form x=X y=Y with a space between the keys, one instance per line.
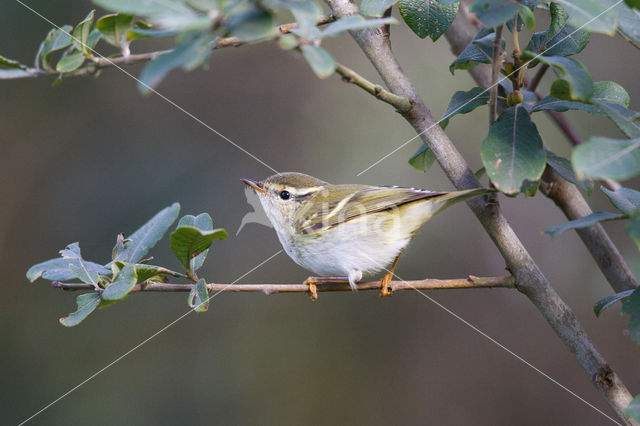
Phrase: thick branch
x=529 y=278
x=401 y=103
x=426 y=284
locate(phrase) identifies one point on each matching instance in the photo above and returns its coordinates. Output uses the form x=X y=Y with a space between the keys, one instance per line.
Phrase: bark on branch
x=529 y=278
x=426 y=284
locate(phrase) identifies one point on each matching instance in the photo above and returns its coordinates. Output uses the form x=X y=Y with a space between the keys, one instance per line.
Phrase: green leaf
x=252 y=23
x=611 y=92
x=375 y=8
x=144 y=272
x=635 y=4
x=592 y=15
x=573 y=73
x=204 y=5
x=146 y=7
x=626 y=200
x=320 y=60
x=563 y=167
x=354 y=22
x=628 y=121
x=423 y=159
x=464 y=102
x=629 y=23
x=204 y=223
x=583 y=222
x=57 y=39
x=428 y=17
x=633 y=228
x=114 y=28
x=188 y=242
x=143 y=239
x=631 y=307
x=122 y=285
x=79 y=269
x=633 y=410
x=70 y=62
x=201 y=296
x=560 y=105
x=192 y=51
x=11 y=64
x=513 y=154
x=605 y=302
x=81 y=34
x=10 y=68
x=288 y=41
x=493 y=13
x=479 y=51
x=606 y=158
x=526 y=15
x=58 y=269
x=560 y=39
x=87 y=303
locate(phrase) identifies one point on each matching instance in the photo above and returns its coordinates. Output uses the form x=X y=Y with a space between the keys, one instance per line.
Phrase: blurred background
x=91 y=158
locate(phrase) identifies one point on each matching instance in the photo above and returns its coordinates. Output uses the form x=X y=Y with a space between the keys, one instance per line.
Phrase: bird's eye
x=285 y=195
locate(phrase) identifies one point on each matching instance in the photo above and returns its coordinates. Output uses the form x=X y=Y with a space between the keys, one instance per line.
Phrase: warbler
x=345 y=232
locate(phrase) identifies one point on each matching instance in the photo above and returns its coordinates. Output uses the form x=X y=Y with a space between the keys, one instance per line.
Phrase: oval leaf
x=123 y=284
x=423 y=159
x=320 y=60
x=428 y=17
x=143 y=239
x=188 y=242
x=87 y=303
x=624 y=199
x=606 y=158
x=512 y=154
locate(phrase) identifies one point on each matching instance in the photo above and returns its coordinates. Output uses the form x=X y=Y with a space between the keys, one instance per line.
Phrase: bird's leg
x=388 y=277
x=313 y=281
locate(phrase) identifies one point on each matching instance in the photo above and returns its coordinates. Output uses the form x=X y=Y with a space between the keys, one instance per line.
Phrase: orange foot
x=388 y=277
x=313 y=288
x=385 y=284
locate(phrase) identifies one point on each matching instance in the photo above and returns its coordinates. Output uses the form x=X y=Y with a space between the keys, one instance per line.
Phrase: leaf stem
x=495 y=73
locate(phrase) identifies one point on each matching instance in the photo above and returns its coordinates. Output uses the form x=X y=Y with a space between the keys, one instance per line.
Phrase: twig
x=495 y=73
x=537 y=77
x=401 y=103
x=104 y=62
x=426 y=284
x=530 y=279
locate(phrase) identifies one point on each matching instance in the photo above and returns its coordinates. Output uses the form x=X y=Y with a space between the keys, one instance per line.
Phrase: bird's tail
x=450 y=198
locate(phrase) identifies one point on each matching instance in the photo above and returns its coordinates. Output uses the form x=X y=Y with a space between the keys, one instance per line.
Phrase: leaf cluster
x=129 y=267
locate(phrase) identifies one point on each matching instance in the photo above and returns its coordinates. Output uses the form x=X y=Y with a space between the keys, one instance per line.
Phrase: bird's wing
x=362 y=199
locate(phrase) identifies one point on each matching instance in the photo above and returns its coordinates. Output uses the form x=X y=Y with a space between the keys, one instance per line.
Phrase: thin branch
x=401 y=103
x=426 y=284
x=100 y=62
x=529 y=278
x=496 y=64
x=533 y=84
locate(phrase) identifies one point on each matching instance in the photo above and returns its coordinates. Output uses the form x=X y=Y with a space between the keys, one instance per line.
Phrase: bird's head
x=282 y=194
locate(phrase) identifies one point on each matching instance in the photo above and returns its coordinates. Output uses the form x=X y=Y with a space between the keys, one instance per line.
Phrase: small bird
x=344 y=232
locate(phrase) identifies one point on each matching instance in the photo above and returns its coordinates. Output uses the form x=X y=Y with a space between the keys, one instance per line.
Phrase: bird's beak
x=255 y=185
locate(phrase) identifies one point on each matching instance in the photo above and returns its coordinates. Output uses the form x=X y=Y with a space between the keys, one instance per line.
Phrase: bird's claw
x=386 y=291
x=313 y=289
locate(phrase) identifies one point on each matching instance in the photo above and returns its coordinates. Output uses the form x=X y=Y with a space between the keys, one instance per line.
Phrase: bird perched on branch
x=343 y=232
